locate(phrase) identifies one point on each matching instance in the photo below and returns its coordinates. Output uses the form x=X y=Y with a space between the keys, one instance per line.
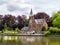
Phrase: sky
x=23 y=7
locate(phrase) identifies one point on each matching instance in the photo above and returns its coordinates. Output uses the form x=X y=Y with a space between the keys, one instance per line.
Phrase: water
x=28 y=40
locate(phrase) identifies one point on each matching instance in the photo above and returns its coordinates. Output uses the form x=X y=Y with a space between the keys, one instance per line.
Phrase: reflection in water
x=9 y=37
x=28 y=40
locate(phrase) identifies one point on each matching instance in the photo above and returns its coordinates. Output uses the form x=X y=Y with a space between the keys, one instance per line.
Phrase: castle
x=35 y=25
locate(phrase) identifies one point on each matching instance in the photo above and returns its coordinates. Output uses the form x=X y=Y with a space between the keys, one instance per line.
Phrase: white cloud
x=17 y=7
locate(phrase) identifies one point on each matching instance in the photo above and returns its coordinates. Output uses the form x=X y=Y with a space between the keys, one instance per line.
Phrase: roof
x=39 y=21
x=25 y=28
x=31 y=12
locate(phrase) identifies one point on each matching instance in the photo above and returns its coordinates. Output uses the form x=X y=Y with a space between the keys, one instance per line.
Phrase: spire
x=31 y=12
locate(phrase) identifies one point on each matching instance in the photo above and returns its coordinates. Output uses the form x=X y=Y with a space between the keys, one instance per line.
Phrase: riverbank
x=5 y=34
x=52 y=35
x=2 y=34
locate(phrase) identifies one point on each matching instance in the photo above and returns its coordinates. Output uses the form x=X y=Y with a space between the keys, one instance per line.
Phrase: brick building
x=35 y=25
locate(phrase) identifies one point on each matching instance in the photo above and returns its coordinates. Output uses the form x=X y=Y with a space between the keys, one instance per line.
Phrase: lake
x=29 y=40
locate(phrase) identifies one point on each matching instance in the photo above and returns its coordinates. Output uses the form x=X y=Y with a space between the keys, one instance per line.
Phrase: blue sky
x=19 y=7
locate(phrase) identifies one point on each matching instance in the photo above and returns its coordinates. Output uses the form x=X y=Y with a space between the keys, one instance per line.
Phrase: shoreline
x=22 y=35
x=43 y=35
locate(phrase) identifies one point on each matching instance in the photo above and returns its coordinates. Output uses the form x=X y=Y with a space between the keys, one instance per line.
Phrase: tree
x=55 y=15
x=26 y=22
x=20 y=22
x=14 y=22
x=42 y=15
x=1 y=22
x=56 y=19
x=9 y=20
x=24 y=16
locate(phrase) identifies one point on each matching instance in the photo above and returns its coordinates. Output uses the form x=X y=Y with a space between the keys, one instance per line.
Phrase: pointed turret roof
x=31 y=12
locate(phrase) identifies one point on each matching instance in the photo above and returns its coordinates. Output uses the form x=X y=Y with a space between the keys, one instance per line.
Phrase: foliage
x=17 y=30
x=26 y=22
x=12 y=21
x=56 y=22
x=9 y=19
x=42 y=15
x=47 y=33
x=55 y=15
x=21 y=22
x=43 y=28
x=58 y=32
x=56 y=19
x=53 y=31
x=53 y=28
x=6 y=27
x=9 y=30
x=0 y=31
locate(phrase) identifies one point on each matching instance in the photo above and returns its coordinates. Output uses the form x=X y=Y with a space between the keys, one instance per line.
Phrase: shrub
x=11 y=32
x=17 y=30
x=58 y=32
x=47 y=33
x=43 y=29
x=53 y=30
x=0 y=31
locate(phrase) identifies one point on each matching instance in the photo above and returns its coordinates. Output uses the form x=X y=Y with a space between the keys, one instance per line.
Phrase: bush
x=43 y=29
x=53 y=30
x=12 y=32
x=58 y=32
x=0 y=31
x=47 y=33
x=17 y=30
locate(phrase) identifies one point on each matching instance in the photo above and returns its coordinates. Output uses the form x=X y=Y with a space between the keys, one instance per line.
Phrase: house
x=35 y=25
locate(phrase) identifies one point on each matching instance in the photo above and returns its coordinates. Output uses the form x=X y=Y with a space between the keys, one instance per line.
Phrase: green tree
x=55 y=15
x=56 y=19
x=6 y=28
